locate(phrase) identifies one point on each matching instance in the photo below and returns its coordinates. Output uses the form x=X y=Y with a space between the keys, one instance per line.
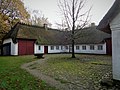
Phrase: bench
x=39 y=55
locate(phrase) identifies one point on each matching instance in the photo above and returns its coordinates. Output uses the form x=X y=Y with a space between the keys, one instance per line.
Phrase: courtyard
x=85 y=72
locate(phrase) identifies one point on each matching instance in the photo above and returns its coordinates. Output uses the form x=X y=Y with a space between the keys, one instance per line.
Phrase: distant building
x=111 y=24
x=25 y=39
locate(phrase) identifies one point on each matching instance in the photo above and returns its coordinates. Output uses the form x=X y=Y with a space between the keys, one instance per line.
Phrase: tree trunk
x=73 y=29
x=73 y=52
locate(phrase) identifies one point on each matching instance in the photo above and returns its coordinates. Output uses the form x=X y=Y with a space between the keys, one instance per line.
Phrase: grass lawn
x=12 y=77
x=84 y=72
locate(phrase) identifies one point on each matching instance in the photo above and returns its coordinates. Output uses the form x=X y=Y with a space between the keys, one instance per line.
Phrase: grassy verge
x=12 y=77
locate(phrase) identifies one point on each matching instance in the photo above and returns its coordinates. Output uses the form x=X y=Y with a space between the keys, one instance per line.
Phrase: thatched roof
x=91 y=35
x=111 y=14
x=53 y=36
x=40 y=34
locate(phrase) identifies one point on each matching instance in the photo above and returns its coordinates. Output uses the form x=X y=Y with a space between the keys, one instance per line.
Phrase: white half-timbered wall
x=14 y=47
x=91 y=51
x=37 y=50
x=59 y=48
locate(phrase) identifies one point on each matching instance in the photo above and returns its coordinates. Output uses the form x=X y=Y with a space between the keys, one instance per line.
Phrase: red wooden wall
x=109 y=46
x=45 y=49
x=25 y=47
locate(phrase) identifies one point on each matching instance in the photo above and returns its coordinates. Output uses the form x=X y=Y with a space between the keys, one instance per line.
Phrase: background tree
x=11 y=11
x=14 y=10
x=75 y=18
x=37 y=18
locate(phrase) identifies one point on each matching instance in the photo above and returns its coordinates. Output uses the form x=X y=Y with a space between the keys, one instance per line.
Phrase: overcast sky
x=50 y=8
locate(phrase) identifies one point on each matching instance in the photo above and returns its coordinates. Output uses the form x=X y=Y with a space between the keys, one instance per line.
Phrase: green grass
x=12 y=77
x=85 y=70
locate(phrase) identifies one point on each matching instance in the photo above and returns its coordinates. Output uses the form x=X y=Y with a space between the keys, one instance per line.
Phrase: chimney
x=45 y=26
x=92 y=24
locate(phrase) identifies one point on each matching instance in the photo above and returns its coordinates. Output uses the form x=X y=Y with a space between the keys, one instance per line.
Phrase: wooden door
x=45 y=49
x=7 y=49
x=25 y=47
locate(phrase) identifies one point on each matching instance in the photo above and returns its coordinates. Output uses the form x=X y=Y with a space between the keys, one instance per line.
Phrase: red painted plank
x=45 y=49
x=25 y=47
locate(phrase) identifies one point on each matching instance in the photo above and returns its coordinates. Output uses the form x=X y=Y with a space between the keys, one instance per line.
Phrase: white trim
x=36 y=49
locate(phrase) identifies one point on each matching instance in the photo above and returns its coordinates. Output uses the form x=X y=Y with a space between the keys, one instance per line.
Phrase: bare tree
x=75 y=18
x=38 y=18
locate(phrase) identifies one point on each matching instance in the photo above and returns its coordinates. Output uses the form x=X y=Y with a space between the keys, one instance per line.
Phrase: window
x=57 y=47
x=77 y=47
x=92 y=47
x=52 y=47
x=66 y=47
x=83 y=47
x=61 y=47
x=39 y=47
x=100 y=47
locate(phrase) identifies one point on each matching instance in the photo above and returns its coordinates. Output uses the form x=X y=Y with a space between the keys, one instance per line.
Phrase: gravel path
x=52 y=82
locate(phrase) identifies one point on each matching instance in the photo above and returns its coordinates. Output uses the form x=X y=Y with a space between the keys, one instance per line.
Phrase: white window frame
x=39 y=47
x=77 y=47
x=100 y=47
x=52 y=47
x=66 y=47
x=83 y=47
x=61 y=47
x=92 y=47
x=57 y=47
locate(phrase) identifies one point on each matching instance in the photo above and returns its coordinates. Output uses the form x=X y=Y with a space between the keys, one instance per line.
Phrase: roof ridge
x=30 y=25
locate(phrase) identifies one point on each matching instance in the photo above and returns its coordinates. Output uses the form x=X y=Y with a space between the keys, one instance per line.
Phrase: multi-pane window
x=100 y=47
x=92 y=47
x=77 y=47
x=83 y=47
x=57 y=47
x=66 y=47
x=39 y=47
x=52 y=47
x=61 y=47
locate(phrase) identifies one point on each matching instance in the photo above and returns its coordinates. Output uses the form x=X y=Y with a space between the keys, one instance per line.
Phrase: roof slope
x=43 y=36
x=111 y=14
x=53 y=36
x=92 y=36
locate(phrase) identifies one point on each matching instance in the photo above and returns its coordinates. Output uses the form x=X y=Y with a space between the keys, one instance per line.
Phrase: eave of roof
x=111 y=14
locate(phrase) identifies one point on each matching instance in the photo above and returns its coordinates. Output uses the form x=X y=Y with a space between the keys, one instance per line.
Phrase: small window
x=39 y=47
x=100 y=47
x=66 y=47
x=92 y=47
x=52 y=47
x=61 y=47
x=83 y=47
x=57 y=47
x=77 y=47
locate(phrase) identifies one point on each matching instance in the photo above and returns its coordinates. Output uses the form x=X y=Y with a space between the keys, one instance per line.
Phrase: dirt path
x=52 y=82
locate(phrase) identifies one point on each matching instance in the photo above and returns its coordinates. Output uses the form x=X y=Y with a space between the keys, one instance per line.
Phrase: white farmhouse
x=25 y=39
x=111 y=24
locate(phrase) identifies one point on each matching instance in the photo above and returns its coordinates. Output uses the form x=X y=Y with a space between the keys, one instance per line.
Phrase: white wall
x=115 y=27
x=95 y=51
x=57 y=51
x=64 y=50
x=36 y=49
x=14 y=47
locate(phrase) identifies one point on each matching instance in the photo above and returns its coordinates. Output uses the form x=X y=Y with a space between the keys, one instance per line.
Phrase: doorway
x=45 y=49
